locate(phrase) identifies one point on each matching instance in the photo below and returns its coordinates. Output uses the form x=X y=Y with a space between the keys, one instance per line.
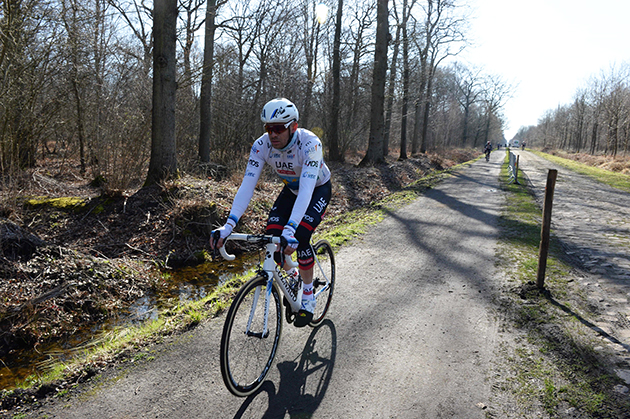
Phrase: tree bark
x=163 y=162
x=390 y=90
x=205 y=107
x=333 y=150
x=374 y=152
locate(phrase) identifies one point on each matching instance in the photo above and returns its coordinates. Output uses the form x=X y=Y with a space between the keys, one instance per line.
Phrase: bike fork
x=265 y=331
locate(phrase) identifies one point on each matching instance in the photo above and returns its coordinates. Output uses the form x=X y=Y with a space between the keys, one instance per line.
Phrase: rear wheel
x=323 y=280
x=247 y=351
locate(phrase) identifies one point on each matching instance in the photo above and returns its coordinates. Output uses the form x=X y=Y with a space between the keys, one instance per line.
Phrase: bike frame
x=272 y=270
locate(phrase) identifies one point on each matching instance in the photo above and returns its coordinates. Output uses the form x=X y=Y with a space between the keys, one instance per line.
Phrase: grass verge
x=558 y=365
x=614 y=179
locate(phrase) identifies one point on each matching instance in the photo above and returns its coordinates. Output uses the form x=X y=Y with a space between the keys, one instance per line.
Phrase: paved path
x=592 y=220
x=412 y=331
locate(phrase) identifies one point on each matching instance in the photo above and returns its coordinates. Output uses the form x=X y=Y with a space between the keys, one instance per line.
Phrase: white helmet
x=279 y=111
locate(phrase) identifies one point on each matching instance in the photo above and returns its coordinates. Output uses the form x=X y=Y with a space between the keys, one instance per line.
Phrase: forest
x=79 y=79
x=596 y=122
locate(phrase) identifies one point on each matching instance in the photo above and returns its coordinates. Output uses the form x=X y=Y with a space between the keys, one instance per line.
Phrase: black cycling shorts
x=281 y=211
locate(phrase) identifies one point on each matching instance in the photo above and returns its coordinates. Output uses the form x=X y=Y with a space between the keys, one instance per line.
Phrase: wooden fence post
x=546 y=228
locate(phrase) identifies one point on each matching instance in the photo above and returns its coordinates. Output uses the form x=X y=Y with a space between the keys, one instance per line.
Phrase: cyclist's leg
x=280 y=212
x=279 y=215
x=323 y=269
x=313 y=216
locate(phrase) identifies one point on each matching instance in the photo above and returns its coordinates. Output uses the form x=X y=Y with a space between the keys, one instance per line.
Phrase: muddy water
x=182 y=285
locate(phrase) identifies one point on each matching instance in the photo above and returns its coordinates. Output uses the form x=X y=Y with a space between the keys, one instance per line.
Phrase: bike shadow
x=303 y=381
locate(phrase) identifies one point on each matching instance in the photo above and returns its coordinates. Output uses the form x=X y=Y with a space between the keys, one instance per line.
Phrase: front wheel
x=323 y=280
x=247 y=349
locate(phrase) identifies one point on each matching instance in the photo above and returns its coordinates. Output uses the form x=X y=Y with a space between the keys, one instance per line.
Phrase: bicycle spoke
x=247 y=348
x=324 y=279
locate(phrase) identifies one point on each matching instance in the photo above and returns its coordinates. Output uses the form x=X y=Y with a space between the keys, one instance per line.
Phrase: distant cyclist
x=487 y=149
x=296 y=155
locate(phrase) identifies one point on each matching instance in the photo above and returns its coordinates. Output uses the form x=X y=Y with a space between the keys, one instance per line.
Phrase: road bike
x=253 y=325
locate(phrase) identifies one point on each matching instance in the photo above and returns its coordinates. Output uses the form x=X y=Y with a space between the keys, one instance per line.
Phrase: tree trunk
x=333 y=151
x=390 y=93
x=425 y=117
x=465 y=122
x=419 y=107
x=374 y=152
x=205 y=107
x=405 y=100
x=311 y=71
x=163 y=162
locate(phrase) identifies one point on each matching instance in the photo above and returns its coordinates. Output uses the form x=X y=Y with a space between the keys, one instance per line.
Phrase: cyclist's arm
x=246 y=190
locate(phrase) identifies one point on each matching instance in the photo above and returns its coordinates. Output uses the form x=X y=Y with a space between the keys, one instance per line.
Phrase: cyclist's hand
x=224 y=231
x=289 y=233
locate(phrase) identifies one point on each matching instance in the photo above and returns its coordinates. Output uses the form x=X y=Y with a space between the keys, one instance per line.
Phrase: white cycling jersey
x=300 y=165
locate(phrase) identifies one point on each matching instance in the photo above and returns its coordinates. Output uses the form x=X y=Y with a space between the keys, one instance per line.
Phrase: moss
x=68 y=202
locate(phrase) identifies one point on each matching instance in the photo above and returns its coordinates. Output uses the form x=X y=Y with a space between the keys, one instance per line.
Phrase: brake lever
x=283 y=245
x=216 y=236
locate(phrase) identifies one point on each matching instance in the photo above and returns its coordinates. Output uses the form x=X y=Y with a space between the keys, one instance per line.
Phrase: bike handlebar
x=253 y=238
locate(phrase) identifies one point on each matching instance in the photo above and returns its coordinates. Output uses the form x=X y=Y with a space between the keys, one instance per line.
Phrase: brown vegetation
x=619 y=164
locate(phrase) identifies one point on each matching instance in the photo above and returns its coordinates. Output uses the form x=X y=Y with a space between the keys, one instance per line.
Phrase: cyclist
x=296 y=155
x=487 y=149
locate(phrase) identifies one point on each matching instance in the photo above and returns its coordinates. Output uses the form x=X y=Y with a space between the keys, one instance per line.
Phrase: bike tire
x=247 y=358
x=323 y=280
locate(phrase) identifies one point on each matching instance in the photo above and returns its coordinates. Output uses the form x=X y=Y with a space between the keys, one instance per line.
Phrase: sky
x=548 y=49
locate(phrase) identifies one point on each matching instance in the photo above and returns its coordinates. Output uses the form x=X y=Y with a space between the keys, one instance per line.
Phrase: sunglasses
x=278 y=129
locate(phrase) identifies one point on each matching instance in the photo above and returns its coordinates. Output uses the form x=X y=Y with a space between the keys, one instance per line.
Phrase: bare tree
x=192 y=21
x=311 y=43
x=442 y=36
x=469 y=86
x=392 y=82
x=28 y=38
x=245 y=24
x=138 y=14
x=163 y=163
x=74 y=22
x=407 y=8
x=205 y=106
x=374 y=153
x=580 y=111
x=334 y=153
x=496 y=92
x=355 y=99
x=615 y=112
